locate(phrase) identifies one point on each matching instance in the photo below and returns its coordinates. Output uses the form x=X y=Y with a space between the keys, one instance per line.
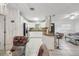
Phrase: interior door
x=1 y=32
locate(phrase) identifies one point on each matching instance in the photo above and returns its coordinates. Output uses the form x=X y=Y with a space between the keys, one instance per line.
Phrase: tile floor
x=66 y=49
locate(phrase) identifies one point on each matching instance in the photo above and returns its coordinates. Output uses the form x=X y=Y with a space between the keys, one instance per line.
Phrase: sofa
x=72 y=37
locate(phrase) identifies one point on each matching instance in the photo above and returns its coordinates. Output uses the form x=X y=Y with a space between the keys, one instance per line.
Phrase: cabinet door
x=1 y=32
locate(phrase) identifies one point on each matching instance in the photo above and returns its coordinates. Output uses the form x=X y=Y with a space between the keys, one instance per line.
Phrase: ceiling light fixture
x=72 y=15
x=36 y=19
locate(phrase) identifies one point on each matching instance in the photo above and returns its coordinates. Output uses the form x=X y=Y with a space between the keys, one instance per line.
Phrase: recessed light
x=32 y=9
x=36 y=19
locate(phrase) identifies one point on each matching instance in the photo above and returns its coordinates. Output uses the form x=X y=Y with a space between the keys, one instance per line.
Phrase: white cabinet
x=36 y=34
x=35 y=41
x=49 y=42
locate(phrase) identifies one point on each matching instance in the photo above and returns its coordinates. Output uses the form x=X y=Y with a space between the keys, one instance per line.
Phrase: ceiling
x=60 y=10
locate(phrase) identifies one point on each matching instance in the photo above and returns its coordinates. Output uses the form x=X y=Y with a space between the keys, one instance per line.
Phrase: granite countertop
x=41 y=30
x=35 y=29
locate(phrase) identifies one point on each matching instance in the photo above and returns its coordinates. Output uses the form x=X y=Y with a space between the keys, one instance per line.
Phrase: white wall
x=63 y=25
x=1 y=32
x=76 y=25
x=22 y=20
x=3 y=11
x=65 y=28
x=2 y=8
x=13 y=29
x=32 y=24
